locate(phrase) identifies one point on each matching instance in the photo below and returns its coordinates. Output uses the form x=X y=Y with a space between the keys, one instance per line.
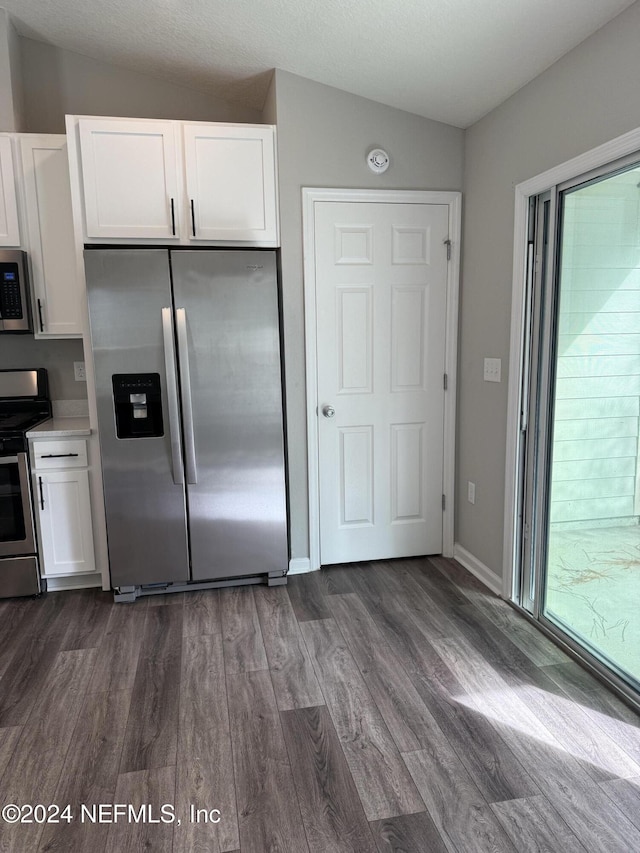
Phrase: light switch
x=492 y=369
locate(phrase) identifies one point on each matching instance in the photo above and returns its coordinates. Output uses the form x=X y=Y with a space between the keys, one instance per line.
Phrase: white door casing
x=381 y=317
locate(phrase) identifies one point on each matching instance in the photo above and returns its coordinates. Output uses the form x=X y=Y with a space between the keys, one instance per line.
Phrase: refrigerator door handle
x=185 y=388
x=172 y=396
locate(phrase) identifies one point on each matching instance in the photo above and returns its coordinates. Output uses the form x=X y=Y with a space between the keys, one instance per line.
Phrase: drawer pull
x=57 y=455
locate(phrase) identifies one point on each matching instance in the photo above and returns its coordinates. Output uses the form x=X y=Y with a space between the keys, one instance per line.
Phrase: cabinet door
x=130 y=178
x=51 y=243
x=9 y=227
x=65 y=522
x=231 y=185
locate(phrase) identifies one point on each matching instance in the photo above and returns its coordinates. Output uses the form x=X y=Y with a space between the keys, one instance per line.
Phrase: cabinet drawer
x=59 y=454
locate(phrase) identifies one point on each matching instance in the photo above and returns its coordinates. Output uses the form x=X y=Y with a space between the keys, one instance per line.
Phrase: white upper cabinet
x=230 y=174
x=9 y=224
x=130 y=178
x=170 y=181
x=57 y=288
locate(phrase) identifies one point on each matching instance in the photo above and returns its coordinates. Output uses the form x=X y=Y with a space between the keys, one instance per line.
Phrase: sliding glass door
x=581 y=504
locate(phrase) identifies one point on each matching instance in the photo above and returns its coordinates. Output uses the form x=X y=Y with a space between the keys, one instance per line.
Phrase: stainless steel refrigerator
x=186 y=350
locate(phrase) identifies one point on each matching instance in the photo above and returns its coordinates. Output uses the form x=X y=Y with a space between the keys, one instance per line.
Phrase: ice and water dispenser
x=138 y=405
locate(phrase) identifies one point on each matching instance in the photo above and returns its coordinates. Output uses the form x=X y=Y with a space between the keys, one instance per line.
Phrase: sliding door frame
x=520 y=455
x=538 y=359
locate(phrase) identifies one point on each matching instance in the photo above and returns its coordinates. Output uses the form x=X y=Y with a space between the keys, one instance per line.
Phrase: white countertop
x=60 y=428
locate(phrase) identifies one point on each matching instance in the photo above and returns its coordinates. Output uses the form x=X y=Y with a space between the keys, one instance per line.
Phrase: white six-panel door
x=381 y=307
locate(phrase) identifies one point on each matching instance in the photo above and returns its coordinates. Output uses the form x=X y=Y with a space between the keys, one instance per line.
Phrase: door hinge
x=445 y=383
x=447 y=243
x=444 y=502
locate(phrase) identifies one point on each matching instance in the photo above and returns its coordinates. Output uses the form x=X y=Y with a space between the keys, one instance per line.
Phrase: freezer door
x=143 y=478
x=229 y=350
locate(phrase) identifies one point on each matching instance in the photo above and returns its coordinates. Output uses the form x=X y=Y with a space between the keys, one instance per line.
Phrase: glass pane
x=593 y=555
x=11 y=515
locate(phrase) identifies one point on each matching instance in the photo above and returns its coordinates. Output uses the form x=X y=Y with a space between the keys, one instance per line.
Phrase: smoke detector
x=378 y=160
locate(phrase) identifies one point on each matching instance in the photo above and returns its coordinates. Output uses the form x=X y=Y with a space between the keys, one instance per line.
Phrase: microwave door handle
x=185 y=388
x=172 y=396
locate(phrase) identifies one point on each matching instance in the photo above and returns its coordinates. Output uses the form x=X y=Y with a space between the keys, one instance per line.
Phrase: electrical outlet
x=79 y=372
x=492 y=369
x=471 y=492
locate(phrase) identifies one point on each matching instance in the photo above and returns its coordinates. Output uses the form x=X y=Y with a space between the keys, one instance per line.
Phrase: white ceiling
x=450 y=60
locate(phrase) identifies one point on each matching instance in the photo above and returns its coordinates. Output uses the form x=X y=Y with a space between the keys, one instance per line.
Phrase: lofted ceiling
x=451 y=60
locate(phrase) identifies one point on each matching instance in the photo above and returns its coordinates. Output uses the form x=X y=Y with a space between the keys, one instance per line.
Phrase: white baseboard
x=73 y=582
x=300 y=566
x=483 y=573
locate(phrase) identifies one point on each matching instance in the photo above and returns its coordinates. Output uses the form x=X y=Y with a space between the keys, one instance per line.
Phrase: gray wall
x=11 y=89
x=56 y=356
x=58 y=82
x=269 y=110
x=323 y=137
x=588 y=97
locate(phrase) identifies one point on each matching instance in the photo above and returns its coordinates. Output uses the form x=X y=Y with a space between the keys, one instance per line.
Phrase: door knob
x=328 y=411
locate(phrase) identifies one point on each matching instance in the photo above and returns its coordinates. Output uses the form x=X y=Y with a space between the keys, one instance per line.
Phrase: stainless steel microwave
x=15 y=313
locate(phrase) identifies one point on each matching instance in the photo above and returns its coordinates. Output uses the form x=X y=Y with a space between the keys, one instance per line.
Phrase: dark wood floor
x=374 y=707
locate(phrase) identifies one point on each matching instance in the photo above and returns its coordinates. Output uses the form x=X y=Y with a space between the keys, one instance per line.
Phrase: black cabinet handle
x=173 y=218
x=193 y=219
x=57 y=455
x=40 y=315
x=41 y=493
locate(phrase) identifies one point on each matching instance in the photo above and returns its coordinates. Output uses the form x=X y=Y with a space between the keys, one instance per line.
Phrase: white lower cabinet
x=63 y=506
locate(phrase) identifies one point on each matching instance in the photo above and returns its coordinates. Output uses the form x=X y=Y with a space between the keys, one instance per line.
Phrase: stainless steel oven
x=18 y=561
x=23 y=403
